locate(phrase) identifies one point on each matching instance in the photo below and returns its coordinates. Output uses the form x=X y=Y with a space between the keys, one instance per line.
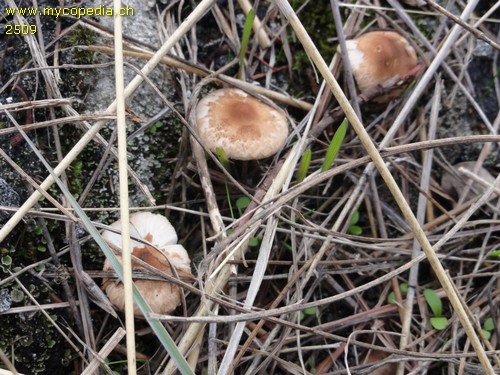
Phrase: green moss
x=29 y=339
x=316 y=16
x=73 y=83
x=80 y=36
x=162 y=141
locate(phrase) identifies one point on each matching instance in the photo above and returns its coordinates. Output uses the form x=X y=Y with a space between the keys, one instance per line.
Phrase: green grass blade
x=355 y=217
x=494 y=254
x=304 y=165
x=334 y=147
x=245 y=38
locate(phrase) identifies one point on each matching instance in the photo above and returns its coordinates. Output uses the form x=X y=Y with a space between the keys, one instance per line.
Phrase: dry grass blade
x=124 y=195
x=255 y=284
x=7 y=228
x=421 y=211
x=472 y=30
x=217 y=283
x=104 y=352
x=203 y=72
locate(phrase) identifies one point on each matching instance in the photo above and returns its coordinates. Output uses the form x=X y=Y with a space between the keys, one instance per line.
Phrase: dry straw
x=124 y=196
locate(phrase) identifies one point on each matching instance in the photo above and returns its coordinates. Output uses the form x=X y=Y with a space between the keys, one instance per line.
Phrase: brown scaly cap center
x=237 y=118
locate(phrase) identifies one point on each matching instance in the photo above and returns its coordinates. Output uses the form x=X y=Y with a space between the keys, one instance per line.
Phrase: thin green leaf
x=334 y=147
x=355 y=218
x=439 y=322
x=286 y=245
x=304 y=165
x=434 y=301
x=244 y=39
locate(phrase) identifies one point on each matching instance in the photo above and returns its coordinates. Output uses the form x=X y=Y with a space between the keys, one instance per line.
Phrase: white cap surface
x=246 y=128
x=156 y=229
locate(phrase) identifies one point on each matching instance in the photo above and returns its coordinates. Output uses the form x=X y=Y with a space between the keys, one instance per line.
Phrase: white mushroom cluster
x=246 y=128
x=158 y=249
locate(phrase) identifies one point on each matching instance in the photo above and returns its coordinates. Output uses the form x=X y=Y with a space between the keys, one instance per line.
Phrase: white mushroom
x=378 y=56
x=246 y=128
x=157 y=232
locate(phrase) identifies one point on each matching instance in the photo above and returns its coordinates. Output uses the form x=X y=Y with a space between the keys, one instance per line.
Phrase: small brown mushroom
x=378 y=56
x=160 y=250
x=246 y=128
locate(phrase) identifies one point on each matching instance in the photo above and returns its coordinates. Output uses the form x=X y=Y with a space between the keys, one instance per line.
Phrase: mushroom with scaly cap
x=378 y=56
x=245 y=127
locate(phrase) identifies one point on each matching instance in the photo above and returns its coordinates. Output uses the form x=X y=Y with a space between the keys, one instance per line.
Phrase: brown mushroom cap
x=159 y=251
x=246 y=128
x=378 y=56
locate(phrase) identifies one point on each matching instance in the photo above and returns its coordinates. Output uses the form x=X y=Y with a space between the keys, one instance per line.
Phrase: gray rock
x=8 y=198
x=143 y=104
x=483 y=49
x=5 y=300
